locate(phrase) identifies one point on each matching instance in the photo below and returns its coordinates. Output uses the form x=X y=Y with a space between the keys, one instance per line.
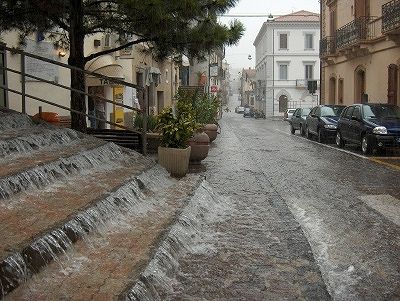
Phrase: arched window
x=283 y=103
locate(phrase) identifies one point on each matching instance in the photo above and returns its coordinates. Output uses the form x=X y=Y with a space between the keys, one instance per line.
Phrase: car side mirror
x=356 y=118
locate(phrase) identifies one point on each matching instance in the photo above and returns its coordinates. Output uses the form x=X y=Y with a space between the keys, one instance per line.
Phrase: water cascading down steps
x=83 y=216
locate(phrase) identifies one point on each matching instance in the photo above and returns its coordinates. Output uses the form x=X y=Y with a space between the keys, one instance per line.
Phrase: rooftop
x=300 y=16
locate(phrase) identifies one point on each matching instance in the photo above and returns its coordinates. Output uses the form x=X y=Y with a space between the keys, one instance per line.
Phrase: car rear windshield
x=331 y=111
x=381 y=111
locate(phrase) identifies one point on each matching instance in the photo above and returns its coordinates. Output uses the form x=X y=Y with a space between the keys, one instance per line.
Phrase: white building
x=129 y=64
x=287 y=56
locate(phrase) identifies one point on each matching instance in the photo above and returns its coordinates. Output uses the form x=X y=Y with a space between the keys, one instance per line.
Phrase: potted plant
x=206 y=107
x=176 y=126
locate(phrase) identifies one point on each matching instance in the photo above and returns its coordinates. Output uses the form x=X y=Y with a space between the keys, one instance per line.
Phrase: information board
x=37 y=67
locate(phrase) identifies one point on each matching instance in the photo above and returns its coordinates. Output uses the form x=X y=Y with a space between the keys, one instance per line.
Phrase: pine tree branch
x=104 y=52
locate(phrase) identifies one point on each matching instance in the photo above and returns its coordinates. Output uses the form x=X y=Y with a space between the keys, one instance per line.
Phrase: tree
x=172 y=27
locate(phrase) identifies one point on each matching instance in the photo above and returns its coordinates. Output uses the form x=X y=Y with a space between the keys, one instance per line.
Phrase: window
x=309 y=41
x=357 y=113
x=309 y=71
x=349 y=112
x=283 y=41
x=283 y=71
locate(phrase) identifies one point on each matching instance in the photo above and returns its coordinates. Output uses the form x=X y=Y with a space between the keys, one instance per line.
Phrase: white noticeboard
x=213 y=70
x=40 y=68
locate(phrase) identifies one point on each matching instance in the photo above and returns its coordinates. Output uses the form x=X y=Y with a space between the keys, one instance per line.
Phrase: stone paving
x=105 y=264
x=259 y=251
x=320 y=191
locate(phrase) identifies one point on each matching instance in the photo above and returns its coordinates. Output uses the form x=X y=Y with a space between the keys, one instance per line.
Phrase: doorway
x=332 y=91
x=393 y=83
x=359 y=85
x=283 y=103
x=361 y=9
x=160 y=101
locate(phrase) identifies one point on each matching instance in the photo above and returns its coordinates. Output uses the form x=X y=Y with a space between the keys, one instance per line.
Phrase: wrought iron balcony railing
x=361 y=29
x=391 y=16
x=327 y=46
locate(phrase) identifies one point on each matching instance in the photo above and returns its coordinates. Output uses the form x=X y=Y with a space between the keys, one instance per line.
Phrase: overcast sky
x=237 y=56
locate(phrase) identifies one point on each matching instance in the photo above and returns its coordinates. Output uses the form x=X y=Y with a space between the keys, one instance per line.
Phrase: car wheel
x=302 y=130
x=321 y=137
x=339 y=140
x=365 y=146
x=292 y=130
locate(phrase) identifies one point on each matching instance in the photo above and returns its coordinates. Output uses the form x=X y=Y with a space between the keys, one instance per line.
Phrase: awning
x=104 y=65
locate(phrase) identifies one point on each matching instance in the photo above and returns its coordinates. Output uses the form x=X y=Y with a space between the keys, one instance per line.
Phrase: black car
x=248 y=112
x=322 y=121
x=298 y=120
x=372 y=126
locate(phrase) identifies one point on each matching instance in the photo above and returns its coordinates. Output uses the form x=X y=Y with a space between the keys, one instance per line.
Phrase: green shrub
x=151 y=122
x=205 y=106
x=176 y=125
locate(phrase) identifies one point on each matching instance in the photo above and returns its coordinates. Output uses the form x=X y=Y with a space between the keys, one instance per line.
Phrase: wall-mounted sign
x=40 y=68
x=213 y=70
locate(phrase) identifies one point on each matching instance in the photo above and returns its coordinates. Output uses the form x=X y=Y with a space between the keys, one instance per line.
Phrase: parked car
x=248 y=112
x=239 y=109
x=288 y=114
x=322 y=122
x=372 y=126
x=298 y=120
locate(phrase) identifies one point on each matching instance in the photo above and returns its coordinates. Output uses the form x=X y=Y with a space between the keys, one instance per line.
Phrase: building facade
x=130 y=65
x=209 y=73
x=360 y=52
x=247 y=88
x=287 y=57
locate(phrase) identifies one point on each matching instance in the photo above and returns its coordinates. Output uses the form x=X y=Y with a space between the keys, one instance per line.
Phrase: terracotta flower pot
x=174 y=160
x=200 y=145
x=211 y=131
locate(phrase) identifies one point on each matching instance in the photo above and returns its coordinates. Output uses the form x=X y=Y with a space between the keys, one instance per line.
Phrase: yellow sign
x=118 y=96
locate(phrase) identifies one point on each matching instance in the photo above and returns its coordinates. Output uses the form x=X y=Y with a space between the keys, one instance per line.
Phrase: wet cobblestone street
x=298 y=226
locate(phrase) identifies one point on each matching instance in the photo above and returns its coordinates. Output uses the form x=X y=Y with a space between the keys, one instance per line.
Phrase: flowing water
x=40 y=176
x=14 y=120
x=41 y=137
x=185 y=236
x=50 y=246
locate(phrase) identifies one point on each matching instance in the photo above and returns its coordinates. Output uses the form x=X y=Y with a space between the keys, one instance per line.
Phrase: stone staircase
x=80 y=218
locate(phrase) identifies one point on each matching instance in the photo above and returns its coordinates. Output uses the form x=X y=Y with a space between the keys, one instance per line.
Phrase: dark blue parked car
x=322 y=122
x=372 y=126
x=298 y=120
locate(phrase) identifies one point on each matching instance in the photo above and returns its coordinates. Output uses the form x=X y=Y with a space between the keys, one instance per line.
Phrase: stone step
x=38 y=226
x=14 y=142
x=11 y=120
x=41 y=168
x=106 y=263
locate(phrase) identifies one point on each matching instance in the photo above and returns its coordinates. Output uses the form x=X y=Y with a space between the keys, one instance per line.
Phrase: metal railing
x=390 y=16
x=360 y=29
x=304 y=82
x=24 y=95
x=327 y=46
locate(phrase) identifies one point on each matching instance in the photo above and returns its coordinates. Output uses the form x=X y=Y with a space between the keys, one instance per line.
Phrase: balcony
x=391 y=17
x=327 y=46
x=360 y=30
x=303 y=83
